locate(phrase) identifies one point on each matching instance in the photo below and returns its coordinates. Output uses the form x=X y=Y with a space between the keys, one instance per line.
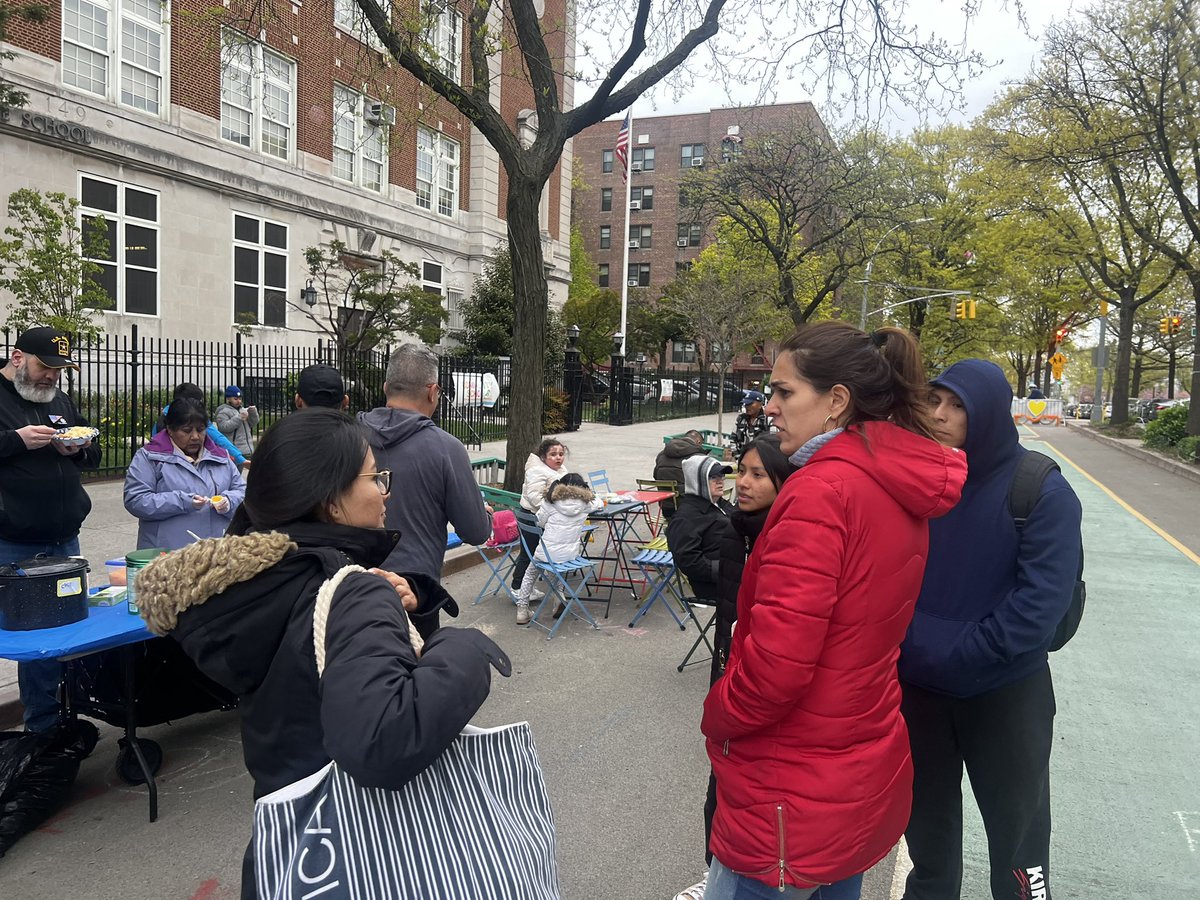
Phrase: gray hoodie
x=432 y=485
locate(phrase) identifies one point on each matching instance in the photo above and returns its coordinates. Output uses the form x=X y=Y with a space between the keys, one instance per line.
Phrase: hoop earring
x=825 y=424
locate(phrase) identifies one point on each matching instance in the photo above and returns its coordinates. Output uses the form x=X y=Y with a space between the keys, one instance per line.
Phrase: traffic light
x=1061 y=335
x=1176 y=324
x=1164 y=325
x=964 y=309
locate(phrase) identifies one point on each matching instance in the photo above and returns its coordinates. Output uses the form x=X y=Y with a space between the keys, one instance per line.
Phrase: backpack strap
x=1026 y=485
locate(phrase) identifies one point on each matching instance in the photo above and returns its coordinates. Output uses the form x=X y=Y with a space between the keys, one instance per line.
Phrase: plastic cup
x=116 y=572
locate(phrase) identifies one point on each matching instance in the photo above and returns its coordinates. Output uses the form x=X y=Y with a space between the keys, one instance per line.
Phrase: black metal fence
x=124 y=382
x=666 y=394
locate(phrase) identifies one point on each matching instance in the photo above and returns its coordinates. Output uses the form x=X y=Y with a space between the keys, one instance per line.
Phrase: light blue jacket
x=159 y=486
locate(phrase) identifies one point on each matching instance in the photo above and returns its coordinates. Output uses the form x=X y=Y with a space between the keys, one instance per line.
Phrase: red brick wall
x=44 y=39
x=667 y=134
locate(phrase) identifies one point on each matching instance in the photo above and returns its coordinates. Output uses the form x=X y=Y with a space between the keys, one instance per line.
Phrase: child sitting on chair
x=562 y=516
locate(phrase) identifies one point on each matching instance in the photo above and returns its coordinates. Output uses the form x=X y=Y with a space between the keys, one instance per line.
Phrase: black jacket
x=697 y=531
x=739 y=538
x=42 y=500
x=380 y=712
x=668 y=466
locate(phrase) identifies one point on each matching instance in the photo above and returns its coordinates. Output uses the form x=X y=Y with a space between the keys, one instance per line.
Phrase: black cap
x=50 y=345
x=321 y=385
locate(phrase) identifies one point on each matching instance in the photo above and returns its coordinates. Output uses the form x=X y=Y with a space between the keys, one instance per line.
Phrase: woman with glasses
x=242 y=609
x=181 y=486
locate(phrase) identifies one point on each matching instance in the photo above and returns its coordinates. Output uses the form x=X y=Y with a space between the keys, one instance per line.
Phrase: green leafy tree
x=651 y=326
x=598 y=318
x=364 y=301
x=44 y=264
x=728 y=300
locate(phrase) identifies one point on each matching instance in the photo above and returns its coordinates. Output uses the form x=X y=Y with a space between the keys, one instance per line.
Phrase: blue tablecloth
x=104 y=628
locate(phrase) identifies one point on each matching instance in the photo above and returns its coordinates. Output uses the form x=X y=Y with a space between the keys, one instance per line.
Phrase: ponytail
x=883 y=371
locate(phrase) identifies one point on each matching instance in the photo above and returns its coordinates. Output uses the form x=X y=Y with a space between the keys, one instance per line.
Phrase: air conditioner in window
x=635 y=204
x=697 y=162
x=380 y=114
x=632 y=282
x=635 y=245
x=733 y=130
x=635 y=167
x=682 y=242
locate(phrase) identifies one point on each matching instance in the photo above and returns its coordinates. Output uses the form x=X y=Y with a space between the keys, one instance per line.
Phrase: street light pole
x=862 y=316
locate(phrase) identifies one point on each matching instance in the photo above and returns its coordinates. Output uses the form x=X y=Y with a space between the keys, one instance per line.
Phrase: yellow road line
x=1125 y=506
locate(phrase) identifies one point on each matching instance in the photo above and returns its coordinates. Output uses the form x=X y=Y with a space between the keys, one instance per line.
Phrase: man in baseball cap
x=40 y=474
x=321 y=385
x=751 y=422
x=50 y=345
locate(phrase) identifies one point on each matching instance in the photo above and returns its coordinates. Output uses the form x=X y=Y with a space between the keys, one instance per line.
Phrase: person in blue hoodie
x=974 y=665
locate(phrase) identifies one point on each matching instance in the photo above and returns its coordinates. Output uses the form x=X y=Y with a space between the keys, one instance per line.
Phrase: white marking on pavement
x=900 y=873
x=1191 y=834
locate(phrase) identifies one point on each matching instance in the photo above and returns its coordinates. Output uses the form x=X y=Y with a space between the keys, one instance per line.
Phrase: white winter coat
x=562 y=518
x=538 y=477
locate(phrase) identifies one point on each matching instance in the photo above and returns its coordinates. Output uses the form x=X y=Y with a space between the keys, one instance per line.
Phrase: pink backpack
x=504 y=527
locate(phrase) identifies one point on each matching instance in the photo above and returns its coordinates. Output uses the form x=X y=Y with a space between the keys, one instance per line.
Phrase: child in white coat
x=562 y=516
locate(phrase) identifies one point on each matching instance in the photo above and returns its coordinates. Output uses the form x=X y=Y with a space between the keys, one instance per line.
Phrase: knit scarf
x=805 y=453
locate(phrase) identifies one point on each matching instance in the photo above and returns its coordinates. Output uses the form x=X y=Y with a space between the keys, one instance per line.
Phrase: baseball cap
x=753 y=396
x=50 y=345
x=720 y=471
x=233 y=391
x=321 y=385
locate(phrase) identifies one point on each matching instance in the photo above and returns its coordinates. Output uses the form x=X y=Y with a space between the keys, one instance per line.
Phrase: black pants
x=523 y=559
x=1004 y=739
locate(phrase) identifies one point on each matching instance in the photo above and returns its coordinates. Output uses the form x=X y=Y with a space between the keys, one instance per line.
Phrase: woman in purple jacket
x=181 y=485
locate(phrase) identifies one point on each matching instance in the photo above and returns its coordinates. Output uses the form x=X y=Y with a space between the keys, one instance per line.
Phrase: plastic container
x=43 y=592
x=116 y=572
x=134 y=563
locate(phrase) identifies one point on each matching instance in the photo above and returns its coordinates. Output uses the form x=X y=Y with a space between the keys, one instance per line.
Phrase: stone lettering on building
x=47 y=125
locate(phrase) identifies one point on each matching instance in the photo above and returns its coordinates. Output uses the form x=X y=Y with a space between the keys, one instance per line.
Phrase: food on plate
x=76 y=434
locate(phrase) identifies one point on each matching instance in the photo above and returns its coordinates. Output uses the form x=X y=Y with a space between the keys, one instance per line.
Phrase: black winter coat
x=695 y=536
x=668 y=466
x=744 y=529
x=42 y=499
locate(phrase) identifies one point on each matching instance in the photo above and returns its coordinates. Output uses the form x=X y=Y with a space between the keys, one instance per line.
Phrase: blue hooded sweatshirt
x=991 y=597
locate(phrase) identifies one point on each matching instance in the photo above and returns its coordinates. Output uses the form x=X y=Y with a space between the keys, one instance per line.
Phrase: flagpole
x=625 y=236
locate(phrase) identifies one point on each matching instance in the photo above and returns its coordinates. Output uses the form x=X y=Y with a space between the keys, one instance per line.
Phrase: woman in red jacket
x=804 y=731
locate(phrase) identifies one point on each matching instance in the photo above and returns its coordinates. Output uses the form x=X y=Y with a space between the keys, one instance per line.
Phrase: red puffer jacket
x=814 y=777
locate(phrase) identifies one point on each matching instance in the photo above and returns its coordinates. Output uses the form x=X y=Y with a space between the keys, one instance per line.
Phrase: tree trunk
x=1120 y=387
x=530 y=299
x=1139 y=360
x=787 y=294
x=1193 y=422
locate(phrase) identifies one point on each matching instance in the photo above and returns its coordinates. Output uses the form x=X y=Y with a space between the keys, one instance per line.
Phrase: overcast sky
x=995 y=32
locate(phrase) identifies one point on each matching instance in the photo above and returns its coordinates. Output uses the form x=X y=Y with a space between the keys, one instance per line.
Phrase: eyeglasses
x=383 y=480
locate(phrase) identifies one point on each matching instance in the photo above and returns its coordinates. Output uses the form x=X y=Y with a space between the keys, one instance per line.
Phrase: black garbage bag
x=36 y=774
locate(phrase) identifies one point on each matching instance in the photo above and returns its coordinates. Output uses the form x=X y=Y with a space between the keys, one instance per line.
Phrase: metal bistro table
x=622 y=518
x=105 y=628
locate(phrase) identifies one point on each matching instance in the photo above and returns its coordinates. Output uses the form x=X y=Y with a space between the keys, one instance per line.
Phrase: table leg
x=130 y=699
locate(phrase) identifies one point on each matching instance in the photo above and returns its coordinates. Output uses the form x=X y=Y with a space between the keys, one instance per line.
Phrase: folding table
x=105 y=628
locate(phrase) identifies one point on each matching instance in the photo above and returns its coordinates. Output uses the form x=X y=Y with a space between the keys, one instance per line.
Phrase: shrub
x=1168 y=429
x=554 y=411
x=1189 y=448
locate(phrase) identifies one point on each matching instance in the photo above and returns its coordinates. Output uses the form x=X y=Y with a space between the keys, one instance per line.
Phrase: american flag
x=622 y=149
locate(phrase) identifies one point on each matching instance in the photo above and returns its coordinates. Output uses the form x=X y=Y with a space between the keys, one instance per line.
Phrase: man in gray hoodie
x=432 y=481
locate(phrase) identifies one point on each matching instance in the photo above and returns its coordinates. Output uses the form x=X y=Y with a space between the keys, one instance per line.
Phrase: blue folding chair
x=502 y=565
x=599 y=480
x=658 y=569
x=556 y=574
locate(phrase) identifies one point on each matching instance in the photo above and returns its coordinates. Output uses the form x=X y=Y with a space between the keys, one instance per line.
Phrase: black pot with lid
x=43 y=592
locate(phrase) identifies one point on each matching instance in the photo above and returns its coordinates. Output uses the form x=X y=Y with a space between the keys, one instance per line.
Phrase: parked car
x=732 y=392
x=1160 y=405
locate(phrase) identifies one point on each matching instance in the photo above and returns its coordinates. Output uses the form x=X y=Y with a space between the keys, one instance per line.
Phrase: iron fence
x=124 y=382
x=666 y=394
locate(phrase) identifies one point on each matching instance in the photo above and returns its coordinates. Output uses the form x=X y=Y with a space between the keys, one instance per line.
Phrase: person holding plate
x=181 y=486
x=42 y=500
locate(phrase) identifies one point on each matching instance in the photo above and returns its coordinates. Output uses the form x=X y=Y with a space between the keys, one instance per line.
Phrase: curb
x=1167 y=465
x=11 y=710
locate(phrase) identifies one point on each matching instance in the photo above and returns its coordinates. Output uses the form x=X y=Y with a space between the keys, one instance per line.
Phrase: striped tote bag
x=475 y=824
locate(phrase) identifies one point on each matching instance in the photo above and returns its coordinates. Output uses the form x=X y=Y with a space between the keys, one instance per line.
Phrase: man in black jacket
x=668 y=465
x=42 y=500
x=700 y=525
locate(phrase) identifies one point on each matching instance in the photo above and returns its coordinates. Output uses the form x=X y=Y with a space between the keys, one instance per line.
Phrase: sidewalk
x=626 y=453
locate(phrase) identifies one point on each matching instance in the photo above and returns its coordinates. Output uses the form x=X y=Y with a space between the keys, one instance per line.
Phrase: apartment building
x=217 y=151
x=662 y=239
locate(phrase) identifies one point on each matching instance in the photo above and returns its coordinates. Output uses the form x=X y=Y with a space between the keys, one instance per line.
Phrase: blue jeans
x=725 y=884
x=38 y=681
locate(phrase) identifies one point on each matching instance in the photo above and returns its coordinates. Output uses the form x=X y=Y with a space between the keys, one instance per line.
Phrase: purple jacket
x=159 y=486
